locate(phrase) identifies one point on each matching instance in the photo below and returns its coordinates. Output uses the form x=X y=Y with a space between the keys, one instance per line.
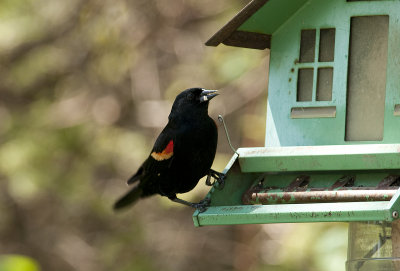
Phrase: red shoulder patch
x=166 y=153
x=170 y=147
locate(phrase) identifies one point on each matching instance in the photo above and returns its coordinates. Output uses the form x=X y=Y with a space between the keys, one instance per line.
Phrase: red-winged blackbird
x=182 y=154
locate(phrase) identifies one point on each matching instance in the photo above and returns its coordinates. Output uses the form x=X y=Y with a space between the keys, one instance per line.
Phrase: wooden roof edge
x=230 y=27
x=250 y=40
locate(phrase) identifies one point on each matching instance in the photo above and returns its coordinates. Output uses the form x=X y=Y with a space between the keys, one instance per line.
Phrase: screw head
x=395 y=214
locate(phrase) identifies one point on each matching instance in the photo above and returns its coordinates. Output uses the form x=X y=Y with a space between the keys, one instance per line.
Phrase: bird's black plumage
x=182 y=154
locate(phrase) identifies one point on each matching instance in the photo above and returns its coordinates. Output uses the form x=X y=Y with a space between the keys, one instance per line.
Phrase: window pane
x=307 y=46
x=327 y=45
x=367 y=78
x=305 y=85
x=324 y=85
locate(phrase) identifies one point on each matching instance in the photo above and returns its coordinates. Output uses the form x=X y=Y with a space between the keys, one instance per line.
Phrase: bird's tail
x=129 y=198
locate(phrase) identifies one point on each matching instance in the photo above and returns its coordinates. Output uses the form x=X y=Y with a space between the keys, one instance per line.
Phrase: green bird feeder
x=332 y=146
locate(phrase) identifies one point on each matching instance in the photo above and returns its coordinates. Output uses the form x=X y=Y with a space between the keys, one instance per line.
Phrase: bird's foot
x=201 y=206
x=218 y=177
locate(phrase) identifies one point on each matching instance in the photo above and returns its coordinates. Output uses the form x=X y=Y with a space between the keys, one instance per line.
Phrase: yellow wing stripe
x=165 y=154
x=160 y=156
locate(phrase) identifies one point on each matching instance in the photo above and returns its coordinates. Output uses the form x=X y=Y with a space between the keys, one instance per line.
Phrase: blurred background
x=85 y=88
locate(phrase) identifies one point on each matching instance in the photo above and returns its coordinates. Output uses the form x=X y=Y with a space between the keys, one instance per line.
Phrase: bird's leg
x=208 y=180
x=218 y=176
x=201 y=206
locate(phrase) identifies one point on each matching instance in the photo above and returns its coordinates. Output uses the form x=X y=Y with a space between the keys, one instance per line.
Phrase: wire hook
x=221 y=119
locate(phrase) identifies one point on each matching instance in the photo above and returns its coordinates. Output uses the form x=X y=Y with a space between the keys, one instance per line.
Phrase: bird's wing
x=161 y=154
x=164 y=146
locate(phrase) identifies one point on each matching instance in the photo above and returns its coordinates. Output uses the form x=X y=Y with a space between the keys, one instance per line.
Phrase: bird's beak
x=207 y=95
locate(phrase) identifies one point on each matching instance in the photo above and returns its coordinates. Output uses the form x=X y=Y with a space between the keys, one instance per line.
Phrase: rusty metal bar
x=320 y=196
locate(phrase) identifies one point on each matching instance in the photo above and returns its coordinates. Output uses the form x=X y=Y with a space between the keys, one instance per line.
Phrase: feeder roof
x=253 y=26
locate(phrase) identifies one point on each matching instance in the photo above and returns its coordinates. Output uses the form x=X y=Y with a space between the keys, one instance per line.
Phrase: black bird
x=182 y=154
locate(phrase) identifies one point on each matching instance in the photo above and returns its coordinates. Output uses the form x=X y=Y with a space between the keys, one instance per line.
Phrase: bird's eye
x=190 y=96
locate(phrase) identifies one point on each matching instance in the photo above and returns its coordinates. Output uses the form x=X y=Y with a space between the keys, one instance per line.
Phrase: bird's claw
x=221 y=181
x=208 y=180
x=218 y=177
x=202 y=205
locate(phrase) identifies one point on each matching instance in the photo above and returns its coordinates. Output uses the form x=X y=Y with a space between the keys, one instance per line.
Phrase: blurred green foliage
x=85 y=87
x=18 y=263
